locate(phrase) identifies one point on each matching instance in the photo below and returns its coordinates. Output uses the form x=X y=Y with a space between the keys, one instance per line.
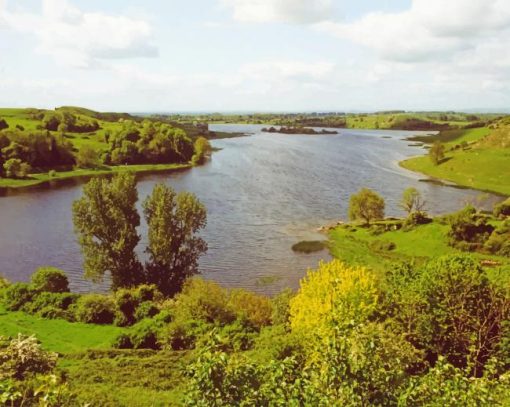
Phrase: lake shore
x=58 y=177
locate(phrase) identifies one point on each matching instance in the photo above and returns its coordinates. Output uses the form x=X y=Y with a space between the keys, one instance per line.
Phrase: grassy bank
x=361 y=246
x=36 y=179
x=480 y=164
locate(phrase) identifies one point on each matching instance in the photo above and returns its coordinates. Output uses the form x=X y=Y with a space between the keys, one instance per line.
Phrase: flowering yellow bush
x=332 y=295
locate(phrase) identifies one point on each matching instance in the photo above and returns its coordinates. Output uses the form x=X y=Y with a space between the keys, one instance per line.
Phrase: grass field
x=98 y=374
x=480 y=166
x=357 y=246
x=58 y=335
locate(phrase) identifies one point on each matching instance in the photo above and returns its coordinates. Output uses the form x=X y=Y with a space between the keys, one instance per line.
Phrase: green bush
x=17 y=295
x=23 y=356
x=50 y=279
x=123 y=341
x=468 y=229
x=182 y=335
x=280 y=304
x=416 y=218
x=49 y=300
x=95 y=309
x=382 y=245
x=145 y=335
x=502 y=209
x=203 y=300
x=499 y=241
x=255 y=309
x=146 y=309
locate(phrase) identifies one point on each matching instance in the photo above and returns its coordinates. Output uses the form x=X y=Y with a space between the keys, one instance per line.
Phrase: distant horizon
x=256 y=56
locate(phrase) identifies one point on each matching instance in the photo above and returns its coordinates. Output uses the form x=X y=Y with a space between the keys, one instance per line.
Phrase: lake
x=263 y=193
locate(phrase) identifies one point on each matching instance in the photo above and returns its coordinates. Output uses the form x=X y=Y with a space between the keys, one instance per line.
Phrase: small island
x=297 y=130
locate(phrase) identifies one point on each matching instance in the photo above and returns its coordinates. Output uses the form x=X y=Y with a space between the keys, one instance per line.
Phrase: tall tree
x=436 y=153
x=105 y=219
x=412 y=201
x=174 y=247
x=366 y=205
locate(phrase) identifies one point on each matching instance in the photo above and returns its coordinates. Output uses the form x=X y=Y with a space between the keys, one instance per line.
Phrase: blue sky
x=255 y=55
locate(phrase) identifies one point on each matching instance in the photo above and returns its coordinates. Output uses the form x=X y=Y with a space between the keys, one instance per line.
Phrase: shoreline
x=43 y=179
x=446 y=181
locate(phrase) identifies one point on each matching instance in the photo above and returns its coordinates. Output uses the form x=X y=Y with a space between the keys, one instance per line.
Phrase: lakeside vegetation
x=474 y=158
x=38 y=146
x=402 y=316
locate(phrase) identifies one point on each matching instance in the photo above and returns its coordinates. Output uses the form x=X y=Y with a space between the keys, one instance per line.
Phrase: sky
x=255 y=55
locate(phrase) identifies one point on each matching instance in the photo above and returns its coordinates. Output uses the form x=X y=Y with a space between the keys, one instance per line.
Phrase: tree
x=174 y=248
x=15 y=168
x=50 y=279
x=366 y=205
x=436 y=153
x=105 y=219
x=3 y=124
x=202 y=147
x=412 y=201
x=87 y=157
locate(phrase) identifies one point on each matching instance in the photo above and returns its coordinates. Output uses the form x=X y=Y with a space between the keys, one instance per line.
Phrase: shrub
x=203 y=300
x=237 y=337
x=468 y=230
x=502 y=209
x=146 y=309
x=382 y=245
x=145 y=334
x=415 y=219
x=126 y=303
x=43 y=300
x=50 y=279
x=17 y=295
x=181 y=335
x=4 y=283
x=499 y=240
x=23 y=356
x=281 y=310
x=95 y=309
x=123 y=341
x=255 y=309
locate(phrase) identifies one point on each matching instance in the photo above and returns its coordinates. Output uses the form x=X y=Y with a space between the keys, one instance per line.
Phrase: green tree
x=50 y=279
x=436 y=153
x=202 y=147
x=15 y=168
x=87 y=157
x=412 y=201
x=174 y=247
x=105 y=219
x=366 y=205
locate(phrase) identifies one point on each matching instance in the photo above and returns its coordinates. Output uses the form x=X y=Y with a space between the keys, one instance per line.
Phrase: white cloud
x=78 y=38
x=289 y=11
x=430 y=29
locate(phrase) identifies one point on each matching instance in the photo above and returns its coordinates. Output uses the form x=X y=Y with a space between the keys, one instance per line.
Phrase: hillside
x=475 y=158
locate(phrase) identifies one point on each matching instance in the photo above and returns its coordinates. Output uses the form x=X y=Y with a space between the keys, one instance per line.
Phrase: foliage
x=149 y=142
x=105 y=219
x=95 y=309
x=202 y=148
x=203 y=300
x=436 y=153
x=87 y=157
x=499 y=240
x=15 y=168
x=17 y=295
x=281 y=307
x=255 y=309
x=416 y=218
x=50 y=279
x=468 y=230
x=503 y=208
x=446 y=385
x=335 y=292
x=366 y=205
x=174 y=247
x=412 y=201
x=23 y=356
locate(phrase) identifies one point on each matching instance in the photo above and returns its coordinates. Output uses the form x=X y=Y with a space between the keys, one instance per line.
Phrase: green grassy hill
x=475 y=158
